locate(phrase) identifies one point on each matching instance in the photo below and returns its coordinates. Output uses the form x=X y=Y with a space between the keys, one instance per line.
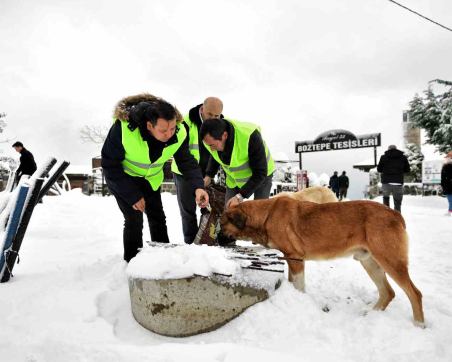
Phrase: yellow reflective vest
x=136 y=161
x=238 y=172
x=193 y=143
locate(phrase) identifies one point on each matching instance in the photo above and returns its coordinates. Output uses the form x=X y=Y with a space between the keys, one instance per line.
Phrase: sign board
x=338 y=139
x=431 y=172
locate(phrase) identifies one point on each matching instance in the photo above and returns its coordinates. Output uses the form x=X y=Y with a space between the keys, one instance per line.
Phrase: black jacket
x=128 y=187
x=446 y=179
x=393 y=164
x=204 y=155
x=257 y=160
x=27 y=163
x=334 y=182
x=343 y=181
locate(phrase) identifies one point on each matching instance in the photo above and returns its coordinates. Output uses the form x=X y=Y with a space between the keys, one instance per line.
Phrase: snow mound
x=181 y=261
x=172 y=261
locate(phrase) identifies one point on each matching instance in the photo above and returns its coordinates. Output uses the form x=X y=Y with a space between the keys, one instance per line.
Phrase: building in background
x=411 y=133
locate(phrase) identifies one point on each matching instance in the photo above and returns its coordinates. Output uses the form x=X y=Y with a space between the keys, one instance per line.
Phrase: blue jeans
x=449 y=198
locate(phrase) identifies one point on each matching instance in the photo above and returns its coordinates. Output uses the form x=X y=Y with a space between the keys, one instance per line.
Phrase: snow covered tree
x=433 y=113
x=3 y=125
x=415 y=158
x=2 y=122
x=6 y=163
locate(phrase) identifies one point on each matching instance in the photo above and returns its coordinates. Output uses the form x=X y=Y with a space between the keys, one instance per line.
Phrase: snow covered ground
x=69 y=299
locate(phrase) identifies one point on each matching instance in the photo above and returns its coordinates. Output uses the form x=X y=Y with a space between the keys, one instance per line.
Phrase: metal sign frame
x=338 y=139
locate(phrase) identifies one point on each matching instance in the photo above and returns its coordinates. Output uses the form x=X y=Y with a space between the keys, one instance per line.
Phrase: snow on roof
x=79 y=170
x=367 y=162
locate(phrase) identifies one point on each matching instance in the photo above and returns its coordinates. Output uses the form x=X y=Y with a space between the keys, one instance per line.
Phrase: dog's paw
x=420 y=324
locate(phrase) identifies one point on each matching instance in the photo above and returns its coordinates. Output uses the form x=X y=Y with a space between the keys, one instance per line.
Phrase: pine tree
x=415 y=158
x=433 y=113
x=2 y=122
x=6 y=163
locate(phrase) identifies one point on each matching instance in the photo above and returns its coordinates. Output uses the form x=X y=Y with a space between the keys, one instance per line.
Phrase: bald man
x=212 y=107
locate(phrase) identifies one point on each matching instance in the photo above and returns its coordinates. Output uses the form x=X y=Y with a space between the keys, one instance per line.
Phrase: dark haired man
x=212 y=107
x=146 y=133
x=27 y=162
x=242 y=153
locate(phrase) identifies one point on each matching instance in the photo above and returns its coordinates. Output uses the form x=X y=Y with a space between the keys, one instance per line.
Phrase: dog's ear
x=238 y=219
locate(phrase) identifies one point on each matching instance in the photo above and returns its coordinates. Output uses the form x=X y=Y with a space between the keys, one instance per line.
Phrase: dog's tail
x=400 y=218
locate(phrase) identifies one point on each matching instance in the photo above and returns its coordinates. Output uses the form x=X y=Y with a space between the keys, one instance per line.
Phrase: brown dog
x=317 y=194
x=374 y=234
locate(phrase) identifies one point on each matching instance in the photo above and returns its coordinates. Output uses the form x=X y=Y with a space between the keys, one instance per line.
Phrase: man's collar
x=147 y=136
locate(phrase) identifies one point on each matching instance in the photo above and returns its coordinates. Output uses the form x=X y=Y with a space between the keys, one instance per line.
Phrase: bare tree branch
x=93 y=134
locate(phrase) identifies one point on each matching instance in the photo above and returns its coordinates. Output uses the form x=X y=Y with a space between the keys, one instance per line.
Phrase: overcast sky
x=295 y=67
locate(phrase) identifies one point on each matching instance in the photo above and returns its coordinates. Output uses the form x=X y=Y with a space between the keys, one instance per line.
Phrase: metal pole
x=375 y=155
x=103 y=182
x=300 y=163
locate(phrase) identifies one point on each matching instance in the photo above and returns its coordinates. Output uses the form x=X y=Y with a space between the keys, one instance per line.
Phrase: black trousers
x=342 y=193
x=187 y=208
x=133 y=221
x=336 y=191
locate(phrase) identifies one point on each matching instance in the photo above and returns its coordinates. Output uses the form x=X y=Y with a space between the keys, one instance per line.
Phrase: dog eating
x=372 y=233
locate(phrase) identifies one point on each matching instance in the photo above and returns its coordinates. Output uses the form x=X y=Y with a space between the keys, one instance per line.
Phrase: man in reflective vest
x=146 y=133
x=242 y=153
x=211 y=108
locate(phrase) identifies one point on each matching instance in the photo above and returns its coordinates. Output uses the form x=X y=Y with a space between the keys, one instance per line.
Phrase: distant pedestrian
x=393 y=164
x=343 y=182
x=27 y=162
x=446 y=181
x=334 y=183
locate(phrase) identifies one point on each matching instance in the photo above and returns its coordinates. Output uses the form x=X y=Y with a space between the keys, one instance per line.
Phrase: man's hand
x=202 y=198
x=234 y=201
x=207 y=181
x=139 y=205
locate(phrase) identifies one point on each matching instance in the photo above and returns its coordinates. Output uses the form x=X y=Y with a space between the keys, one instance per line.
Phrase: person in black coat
x=334 y=183
x=446 y=181
x=343 y=183
x=27 y=162
x=392 y=166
